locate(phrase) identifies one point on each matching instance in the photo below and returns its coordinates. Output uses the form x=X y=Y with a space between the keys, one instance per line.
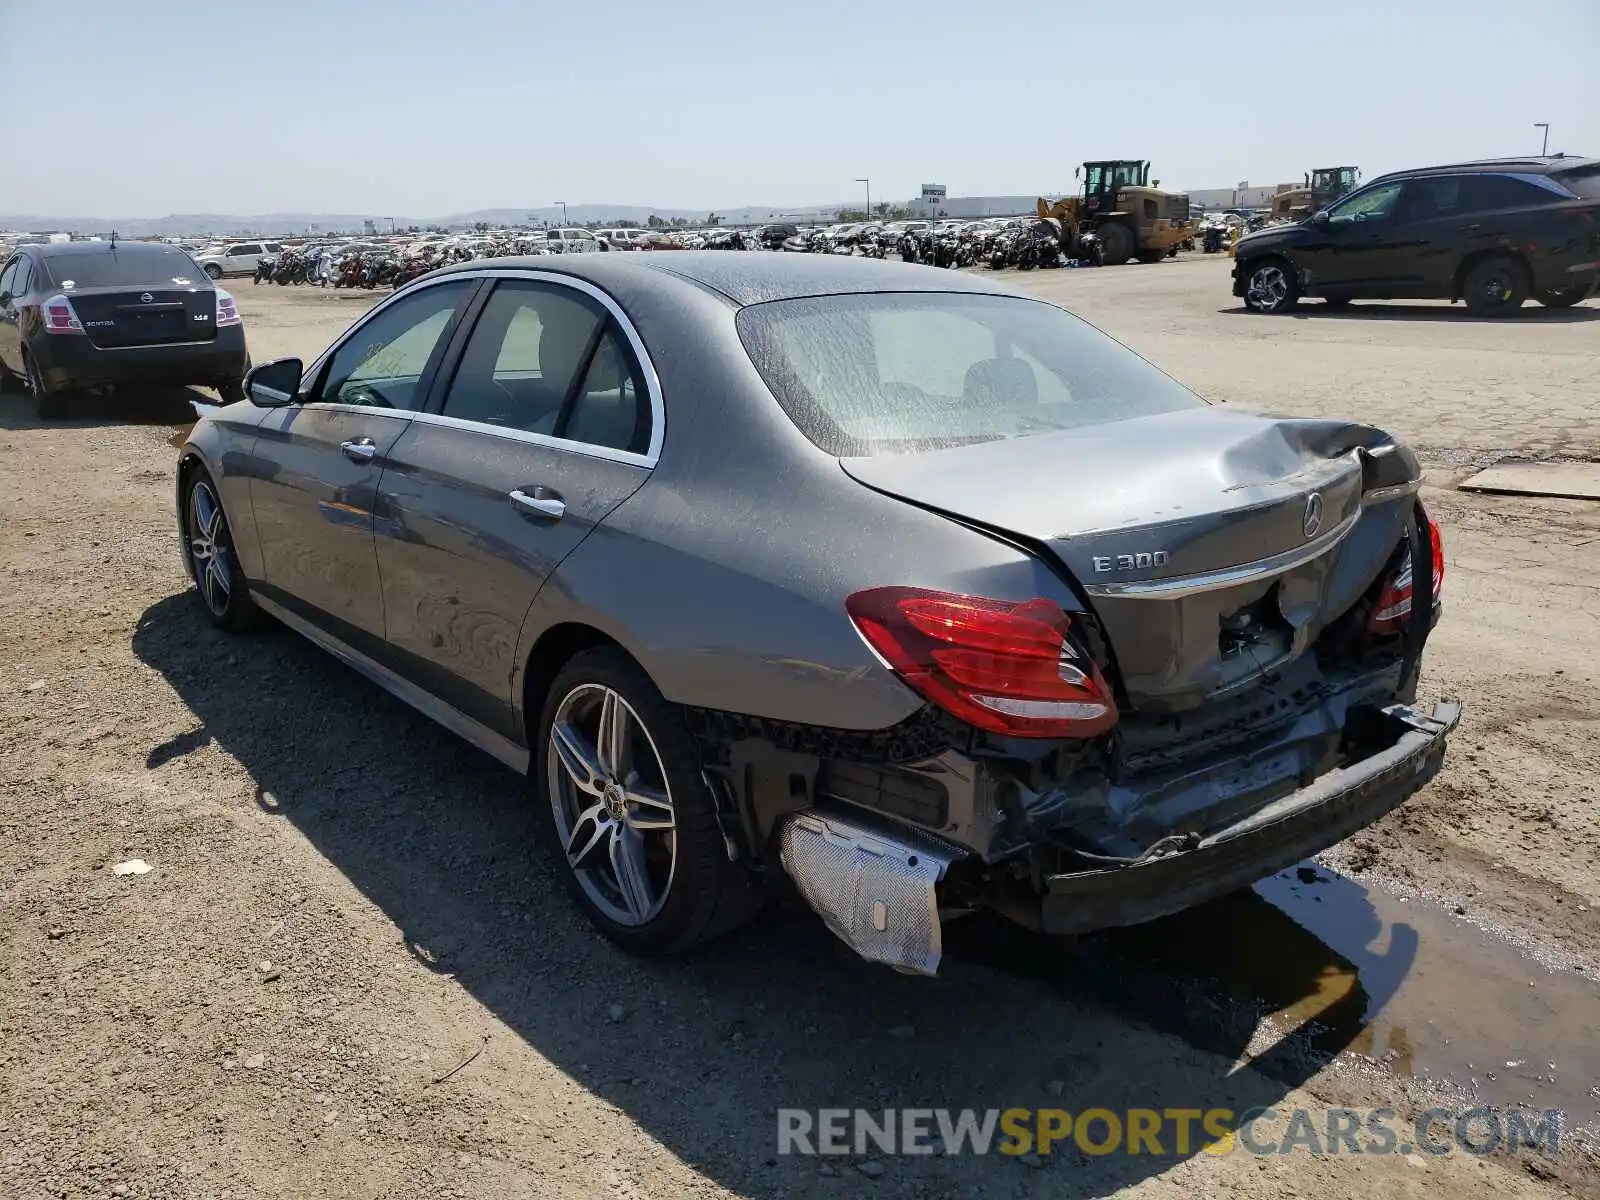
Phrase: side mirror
x=5 y=299
x=274 y=384
x=1321 y=217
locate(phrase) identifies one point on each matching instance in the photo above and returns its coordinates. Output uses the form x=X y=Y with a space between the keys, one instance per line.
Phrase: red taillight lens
x=1004 y=667
x=1393 y=609
x=227 y=309
x=59 y=316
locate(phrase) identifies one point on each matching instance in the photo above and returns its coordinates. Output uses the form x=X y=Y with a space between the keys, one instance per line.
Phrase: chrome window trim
x=652 y=381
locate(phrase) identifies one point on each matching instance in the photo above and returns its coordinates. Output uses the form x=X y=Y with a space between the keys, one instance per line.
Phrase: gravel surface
x=345 y=973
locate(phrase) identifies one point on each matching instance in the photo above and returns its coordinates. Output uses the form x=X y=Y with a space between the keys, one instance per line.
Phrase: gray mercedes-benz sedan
x=891 y=582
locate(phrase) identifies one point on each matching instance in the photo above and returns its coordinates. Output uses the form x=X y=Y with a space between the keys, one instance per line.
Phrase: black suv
x=76 y=316
x=1491 y=233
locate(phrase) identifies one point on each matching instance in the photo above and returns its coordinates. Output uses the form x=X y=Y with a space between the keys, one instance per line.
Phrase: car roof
x=750 y=278
x=51 y=249
x=1551 y=164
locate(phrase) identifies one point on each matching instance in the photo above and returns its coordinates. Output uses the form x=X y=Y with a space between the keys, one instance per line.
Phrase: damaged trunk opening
x=1263 y=664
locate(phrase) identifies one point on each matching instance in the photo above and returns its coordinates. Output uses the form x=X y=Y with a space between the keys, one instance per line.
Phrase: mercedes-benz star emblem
x=146 y=298
x=1313 y=516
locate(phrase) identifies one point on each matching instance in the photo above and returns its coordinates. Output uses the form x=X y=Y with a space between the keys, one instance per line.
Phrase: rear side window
x=1585 y=183
x=524 y=354
x=1487 y=192
x=887 y=373
x=122 y=267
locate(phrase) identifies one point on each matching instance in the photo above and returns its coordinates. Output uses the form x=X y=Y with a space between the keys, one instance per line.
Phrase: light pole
x=563 y=204
x=1544 y=125
x=868 y=182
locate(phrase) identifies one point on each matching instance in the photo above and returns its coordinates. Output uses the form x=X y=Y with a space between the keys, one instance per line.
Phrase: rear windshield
x=898 y=372
x=111 y=268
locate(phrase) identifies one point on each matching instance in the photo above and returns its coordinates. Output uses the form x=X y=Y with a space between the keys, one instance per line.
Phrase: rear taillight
x=59 y=316
x=1001 y=666
x=227 y=309
x=1393 y=609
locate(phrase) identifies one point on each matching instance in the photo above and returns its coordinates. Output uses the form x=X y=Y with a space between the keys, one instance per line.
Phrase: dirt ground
x=347 y=976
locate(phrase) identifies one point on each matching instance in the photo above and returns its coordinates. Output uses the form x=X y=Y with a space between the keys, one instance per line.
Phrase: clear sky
x=117 y=108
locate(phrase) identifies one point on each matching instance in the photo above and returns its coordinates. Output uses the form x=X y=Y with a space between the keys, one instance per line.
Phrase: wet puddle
x=1310 y=969
x=1340 y=969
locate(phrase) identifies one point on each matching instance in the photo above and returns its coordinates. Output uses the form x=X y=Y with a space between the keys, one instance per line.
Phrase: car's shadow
x=123 y=406
x=1377 y=310
x=710 y=1046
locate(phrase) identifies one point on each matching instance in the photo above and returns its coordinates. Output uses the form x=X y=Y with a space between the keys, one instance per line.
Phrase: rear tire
x=681 y=890
x=1151 y=256
x=52 y=406
x=1495 y=287
x=1563 y=297
x=1117 y=243
x=213 y=562
x=1271 y=287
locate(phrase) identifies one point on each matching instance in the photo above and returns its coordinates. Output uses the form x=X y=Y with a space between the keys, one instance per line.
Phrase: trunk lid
x=118 y=316
x=1213 y=545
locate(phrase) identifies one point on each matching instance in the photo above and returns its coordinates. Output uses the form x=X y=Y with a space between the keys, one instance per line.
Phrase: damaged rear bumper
x=880 y=884
x=1276 y=836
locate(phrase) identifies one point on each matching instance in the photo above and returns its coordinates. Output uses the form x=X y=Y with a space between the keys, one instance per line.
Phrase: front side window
x=382 y=364
x=885 y=373
x=1374 y=204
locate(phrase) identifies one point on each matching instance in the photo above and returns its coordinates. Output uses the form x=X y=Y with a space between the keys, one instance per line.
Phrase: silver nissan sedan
x=892 y=585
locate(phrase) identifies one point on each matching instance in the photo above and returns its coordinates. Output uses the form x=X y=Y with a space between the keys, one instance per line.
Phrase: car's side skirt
x=512 y=755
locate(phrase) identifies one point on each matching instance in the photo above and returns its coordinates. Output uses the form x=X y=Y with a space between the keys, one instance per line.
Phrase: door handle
x=541 y=502
x=361 y=450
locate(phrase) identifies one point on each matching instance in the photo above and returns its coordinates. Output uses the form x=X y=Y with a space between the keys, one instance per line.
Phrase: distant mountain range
x=185 y=224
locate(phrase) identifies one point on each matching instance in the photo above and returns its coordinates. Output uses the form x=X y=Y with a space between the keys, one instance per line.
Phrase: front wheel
x=1116 y=242
x=1494 y=287
x=631 y=825
x=213 y=563
x=1271 y=287
x=213 y=270
x=1562 y=297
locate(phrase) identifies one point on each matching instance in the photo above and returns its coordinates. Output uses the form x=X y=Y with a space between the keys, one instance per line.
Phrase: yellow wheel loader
x=1132 y=217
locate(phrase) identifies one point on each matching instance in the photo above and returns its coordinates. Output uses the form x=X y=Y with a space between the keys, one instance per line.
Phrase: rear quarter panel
x=726 y=574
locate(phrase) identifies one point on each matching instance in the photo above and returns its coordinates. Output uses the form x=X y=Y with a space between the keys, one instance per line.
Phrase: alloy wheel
x=1269 y=287
x=1498 y=287
x=612 y=804
x=208 y=549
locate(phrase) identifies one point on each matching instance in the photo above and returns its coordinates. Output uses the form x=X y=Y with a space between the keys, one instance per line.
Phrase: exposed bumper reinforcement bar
x=875 y=889
x=1270 y=839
